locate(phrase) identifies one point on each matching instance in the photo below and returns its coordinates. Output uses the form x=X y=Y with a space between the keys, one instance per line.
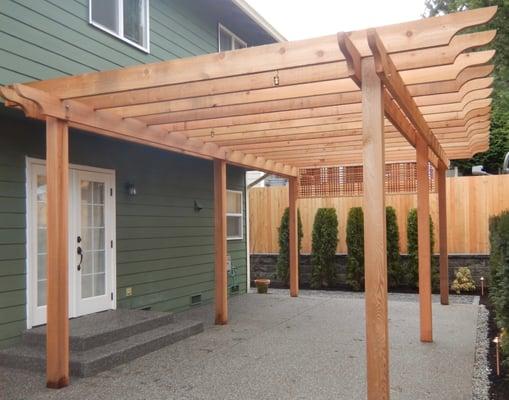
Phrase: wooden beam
x=424 y=250
x=293 y=234
x=442 y=228
x=107 y=123
x=57 y=177
x=377 y=336
x=396 y=86
x=272 y=57
x=221 y=278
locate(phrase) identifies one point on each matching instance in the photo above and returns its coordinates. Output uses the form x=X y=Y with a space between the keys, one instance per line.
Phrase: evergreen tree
x=355 y=248
x=324 y=245
x=283 y=260
x=393 y=262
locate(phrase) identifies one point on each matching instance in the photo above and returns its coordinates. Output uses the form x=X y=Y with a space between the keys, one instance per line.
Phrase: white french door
x=91 y=241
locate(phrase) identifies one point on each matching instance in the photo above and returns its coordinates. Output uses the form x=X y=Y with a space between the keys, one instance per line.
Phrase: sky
x=301 y=19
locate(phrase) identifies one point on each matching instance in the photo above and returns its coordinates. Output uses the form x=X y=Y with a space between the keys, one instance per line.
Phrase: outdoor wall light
x=197 y=206
x=131 y=189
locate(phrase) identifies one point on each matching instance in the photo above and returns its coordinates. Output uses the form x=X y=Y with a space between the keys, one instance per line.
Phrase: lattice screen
x=347 y=180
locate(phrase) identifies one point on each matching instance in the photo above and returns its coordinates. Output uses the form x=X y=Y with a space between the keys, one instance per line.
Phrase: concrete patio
x=277 y=347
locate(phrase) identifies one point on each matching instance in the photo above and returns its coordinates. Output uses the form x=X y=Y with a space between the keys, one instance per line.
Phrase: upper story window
x=228 y=40
x=125 y=19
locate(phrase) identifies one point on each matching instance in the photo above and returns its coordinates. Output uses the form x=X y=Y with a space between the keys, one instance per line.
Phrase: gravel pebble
x=480 y=379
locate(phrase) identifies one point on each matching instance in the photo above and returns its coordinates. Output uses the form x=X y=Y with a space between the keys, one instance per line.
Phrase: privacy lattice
x=347 y=180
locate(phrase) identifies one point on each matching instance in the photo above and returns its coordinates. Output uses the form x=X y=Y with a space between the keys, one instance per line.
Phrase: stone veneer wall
x=264 y=266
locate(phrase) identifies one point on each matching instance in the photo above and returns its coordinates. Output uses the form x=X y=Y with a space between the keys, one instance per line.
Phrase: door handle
x=80 y=253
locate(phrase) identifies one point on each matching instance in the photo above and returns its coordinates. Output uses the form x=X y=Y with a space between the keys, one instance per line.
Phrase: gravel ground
x=480 y=380
x=411 y=297
x=277 y=347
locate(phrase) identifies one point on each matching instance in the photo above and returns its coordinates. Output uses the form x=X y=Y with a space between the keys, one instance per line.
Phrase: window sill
x=123 y=39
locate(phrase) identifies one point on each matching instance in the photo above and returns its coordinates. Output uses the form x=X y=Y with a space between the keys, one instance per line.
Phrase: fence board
x=470 y=203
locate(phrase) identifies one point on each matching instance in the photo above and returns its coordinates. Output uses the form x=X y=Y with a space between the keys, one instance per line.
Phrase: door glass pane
x=41 y=219
x=133 y=21
x=93 y=241
x=105 y=13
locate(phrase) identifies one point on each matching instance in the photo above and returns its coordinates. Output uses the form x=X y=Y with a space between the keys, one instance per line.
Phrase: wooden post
x=424 y=252
x=377 y=335
x=221 y=292
x=293 y=237
x=442 y=224
x=57 y=176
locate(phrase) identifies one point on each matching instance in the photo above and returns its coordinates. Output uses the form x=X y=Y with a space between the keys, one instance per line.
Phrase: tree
x=283 y=260
x=499 y=129
x=323 y=248
x=393 y=265
x=413 y=251
x=355 y=248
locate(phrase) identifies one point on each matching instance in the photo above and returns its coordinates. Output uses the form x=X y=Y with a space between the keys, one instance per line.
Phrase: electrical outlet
x=129 y=291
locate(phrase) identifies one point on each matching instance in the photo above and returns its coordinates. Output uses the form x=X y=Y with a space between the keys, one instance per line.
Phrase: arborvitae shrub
x=323 y=248
x=463 y=281
x=283 y=260
x=355 y=248
x=499 y=279
x=394 y=270
x=413 y=252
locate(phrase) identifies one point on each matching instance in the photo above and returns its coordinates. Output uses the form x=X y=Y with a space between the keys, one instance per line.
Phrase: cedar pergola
x=407 y=92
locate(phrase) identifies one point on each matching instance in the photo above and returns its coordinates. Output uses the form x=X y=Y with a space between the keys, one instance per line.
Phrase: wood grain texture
x=377 y=335
x=293 y=237
x=57 y=172
x=221 y=294
x=424 y=253
x=442 y=229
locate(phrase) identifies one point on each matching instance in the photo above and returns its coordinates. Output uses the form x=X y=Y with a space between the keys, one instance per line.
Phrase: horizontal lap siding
x=165 y=248
x=48 y=38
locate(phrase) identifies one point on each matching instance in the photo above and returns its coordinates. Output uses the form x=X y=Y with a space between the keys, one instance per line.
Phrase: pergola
x=405 y=92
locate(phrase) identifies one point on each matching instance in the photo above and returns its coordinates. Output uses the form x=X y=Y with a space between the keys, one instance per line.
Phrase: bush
x=463 y=281
x=412 y=274
x=355 y=248
x=283 y=260
x=323 y=248
x=393 y=265
x=499 y=275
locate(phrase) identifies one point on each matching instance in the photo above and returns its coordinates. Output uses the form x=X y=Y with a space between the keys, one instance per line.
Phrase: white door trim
x=31 y=237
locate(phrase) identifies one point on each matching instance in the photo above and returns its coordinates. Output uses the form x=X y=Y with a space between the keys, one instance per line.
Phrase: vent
x=196 y=299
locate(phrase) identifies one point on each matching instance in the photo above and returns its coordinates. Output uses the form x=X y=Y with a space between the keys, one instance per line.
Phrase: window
x=228 y=40
x=125 y=19
x=234 y=215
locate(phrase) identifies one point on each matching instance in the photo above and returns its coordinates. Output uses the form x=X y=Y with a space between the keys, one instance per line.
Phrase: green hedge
x=355 y=248
x=283 y=260
x=499 y=275
x=323 y=248
x=412 y=275
x=394 y=271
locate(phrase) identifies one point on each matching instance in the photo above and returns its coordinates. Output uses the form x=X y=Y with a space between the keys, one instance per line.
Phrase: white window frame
x=120 y=34
x=241 y=215
x=233 y=36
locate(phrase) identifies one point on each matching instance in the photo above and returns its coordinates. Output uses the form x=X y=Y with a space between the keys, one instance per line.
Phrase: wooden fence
x=470 y=203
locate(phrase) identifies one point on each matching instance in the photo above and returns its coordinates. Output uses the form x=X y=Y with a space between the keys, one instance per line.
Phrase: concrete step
x=99 y=329
x=100 y=358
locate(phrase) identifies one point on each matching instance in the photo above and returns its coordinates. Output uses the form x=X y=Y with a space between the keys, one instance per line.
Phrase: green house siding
x=48 y=38
x=165 y=249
